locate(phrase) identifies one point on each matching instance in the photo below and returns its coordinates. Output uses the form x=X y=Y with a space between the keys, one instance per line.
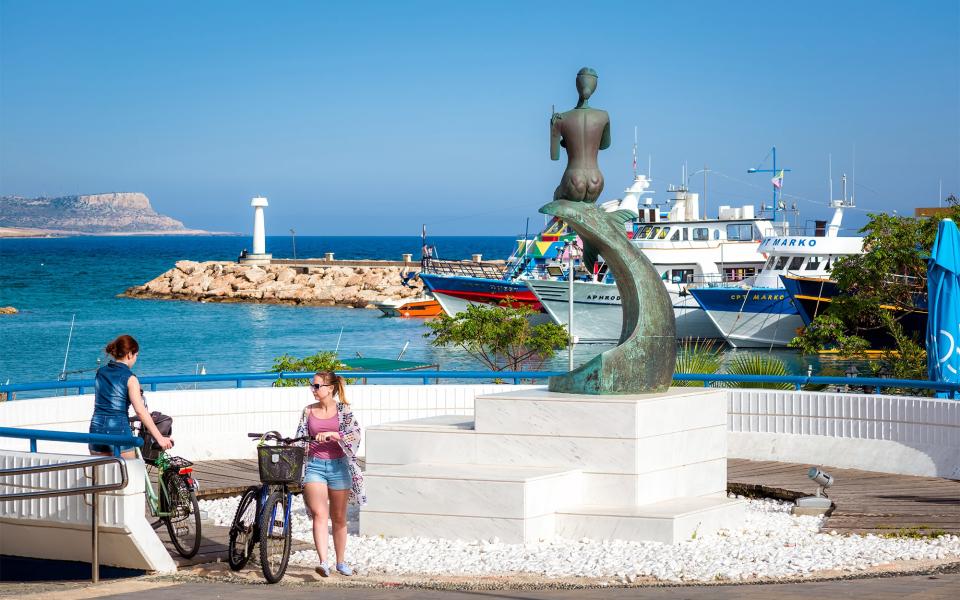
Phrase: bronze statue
x=643 y=362
x=583 y=131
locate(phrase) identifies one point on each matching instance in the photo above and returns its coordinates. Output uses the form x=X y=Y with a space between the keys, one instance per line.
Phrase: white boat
x=684 y=249
x=760 y=313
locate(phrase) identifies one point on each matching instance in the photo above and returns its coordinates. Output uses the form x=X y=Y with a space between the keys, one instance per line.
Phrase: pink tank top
x=325 y=450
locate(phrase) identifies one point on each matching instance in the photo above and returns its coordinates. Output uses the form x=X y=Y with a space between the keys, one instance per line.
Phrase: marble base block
x=608 y=455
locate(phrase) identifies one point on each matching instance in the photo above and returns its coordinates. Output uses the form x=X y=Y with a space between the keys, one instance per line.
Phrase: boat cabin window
x=643 y=232
x=701 y=234
x=653 y=233
x=781 y=262
x=770 y=262
x=676 y=236
x=740 y=232
x=682 y=276
x=795 y=263
x=663 y=233
x=738 y=273
x=716 y=234
x=685 y=231
x=813 y=263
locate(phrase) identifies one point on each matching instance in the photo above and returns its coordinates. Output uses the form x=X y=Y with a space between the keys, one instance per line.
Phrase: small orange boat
x=415 y=307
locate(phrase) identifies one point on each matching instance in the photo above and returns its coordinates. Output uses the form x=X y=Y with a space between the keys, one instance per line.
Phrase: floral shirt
x=350 y=442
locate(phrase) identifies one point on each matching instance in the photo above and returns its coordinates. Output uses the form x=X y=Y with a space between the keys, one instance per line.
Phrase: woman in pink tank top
x=331 y=477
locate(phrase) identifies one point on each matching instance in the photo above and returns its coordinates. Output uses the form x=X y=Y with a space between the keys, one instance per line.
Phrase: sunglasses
x=317 y=386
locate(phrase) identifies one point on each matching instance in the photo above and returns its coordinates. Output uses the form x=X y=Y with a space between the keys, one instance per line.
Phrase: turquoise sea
x=51 y=281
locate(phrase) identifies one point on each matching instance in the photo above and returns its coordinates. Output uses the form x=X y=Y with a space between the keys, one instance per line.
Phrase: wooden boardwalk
x=865 y=501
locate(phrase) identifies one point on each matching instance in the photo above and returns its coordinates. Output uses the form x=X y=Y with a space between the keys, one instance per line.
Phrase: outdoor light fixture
x=818 y=504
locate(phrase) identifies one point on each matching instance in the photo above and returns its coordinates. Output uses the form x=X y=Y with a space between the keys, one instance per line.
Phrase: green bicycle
x=175 y=504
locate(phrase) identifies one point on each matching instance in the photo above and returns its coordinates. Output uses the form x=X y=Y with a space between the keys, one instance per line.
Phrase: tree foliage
x=500 y=337
x=321 y=361
x=887 y=279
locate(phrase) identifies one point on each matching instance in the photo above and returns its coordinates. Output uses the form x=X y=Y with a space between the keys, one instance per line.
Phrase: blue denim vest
x=111 y=395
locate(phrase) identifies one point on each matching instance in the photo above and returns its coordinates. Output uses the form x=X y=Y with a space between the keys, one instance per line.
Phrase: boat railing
x=462 y=268
x=809 y=230
x=719 y=281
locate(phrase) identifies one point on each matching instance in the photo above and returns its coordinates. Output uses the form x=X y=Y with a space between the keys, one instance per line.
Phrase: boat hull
x=598 y=315
x=751 y=318
x=415 y=308
x=478 y=290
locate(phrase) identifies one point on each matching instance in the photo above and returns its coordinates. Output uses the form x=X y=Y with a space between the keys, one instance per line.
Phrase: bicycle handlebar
x=273 y=435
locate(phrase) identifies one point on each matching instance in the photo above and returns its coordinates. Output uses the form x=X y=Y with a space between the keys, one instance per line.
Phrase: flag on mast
x=778 y=180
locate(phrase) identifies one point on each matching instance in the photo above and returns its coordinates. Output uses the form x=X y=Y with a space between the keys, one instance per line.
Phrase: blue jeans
x=334 y=472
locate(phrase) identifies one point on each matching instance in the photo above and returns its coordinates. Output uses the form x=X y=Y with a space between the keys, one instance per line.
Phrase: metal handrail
x=70 y=436
x=878 y=383
x=93 y=489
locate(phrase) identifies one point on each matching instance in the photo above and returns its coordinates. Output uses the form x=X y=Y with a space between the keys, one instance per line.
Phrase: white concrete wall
x=890 y=434
x=212 y=424
x=894 y=434
x=60 y=528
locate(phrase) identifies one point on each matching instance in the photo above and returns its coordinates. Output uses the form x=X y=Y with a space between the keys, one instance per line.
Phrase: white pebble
x=772 y=544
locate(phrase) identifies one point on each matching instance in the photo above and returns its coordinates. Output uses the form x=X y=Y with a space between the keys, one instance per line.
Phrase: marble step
x=668 y=522
x=515 y=504
x=617 y=417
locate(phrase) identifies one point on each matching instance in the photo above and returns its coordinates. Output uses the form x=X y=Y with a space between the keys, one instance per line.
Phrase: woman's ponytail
x=339 y=385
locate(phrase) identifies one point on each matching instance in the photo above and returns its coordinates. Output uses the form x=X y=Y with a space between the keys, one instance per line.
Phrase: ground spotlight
x=818 y=504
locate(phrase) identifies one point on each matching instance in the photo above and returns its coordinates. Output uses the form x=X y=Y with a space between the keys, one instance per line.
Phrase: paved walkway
x=927 y=587
x=865 y=501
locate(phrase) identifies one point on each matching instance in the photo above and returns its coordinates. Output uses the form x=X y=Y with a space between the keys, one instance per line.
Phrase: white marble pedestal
x=534 y=464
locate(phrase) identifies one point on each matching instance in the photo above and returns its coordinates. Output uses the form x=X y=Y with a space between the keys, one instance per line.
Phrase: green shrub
x=757 y=364
x=697 y=356
x=321 y=361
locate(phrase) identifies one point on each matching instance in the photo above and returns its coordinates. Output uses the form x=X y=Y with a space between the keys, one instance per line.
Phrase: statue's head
x=586 y=82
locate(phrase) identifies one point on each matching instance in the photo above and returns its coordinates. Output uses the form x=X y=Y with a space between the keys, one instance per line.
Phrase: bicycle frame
x=265 y=490
x=153 y=499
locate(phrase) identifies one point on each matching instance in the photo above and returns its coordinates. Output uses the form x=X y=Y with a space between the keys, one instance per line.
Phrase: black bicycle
x=263 y=515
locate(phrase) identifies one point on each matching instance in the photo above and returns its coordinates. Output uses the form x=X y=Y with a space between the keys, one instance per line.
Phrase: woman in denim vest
x=332 y=478
x=115 y=389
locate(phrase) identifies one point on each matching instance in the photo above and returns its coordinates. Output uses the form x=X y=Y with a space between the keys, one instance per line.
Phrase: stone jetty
x=349 y=283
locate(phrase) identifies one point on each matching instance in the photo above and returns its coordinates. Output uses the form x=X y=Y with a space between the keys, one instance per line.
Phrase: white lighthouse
x=259 y=255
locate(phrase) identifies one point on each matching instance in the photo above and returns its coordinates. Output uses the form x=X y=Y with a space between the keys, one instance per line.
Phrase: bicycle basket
x=279 y=464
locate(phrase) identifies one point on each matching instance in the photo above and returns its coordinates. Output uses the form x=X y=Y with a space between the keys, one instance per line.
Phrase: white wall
x=60 y=528
x=890 y=434
x=213 y=424
x=894 y=434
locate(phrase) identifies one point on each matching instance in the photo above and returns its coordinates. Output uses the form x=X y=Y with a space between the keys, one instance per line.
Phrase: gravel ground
x=772 y=545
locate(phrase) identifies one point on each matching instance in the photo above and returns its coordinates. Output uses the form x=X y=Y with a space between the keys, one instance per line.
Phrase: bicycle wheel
x=243 y=530
x=183 y=523
x=275 y=531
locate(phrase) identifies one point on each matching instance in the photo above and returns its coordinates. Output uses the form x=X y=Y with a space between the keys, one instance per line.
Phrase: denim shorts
x=334 y=472
x=111 y=425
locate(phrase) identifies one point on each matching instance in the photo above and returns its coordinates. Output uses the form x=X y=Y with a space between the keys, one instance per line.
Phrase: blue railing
x=238 y=379
x=68 y=436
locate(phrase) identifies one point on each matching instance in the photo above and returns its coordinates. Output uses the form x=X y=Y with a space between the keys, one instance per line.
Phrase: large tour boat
x=684 y=248
x=759 y=313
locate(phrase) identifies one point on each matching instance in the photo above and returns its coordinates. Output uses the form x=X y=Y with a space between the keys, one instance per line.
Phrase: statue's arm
x=605 y=138
x=555 y=137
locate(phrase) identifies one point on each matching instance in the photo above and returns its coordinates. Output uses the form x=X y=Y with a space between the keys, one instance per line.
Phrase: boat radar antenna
x=777 y=179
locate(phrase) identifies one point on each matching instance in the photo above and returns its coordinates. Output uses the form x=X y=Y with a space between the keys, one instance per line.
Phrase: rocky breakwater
x=355 y=286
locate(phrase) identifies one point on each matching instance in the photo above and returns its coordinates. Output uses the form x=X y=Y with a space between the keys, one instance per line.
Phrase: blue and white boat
x=759 y=312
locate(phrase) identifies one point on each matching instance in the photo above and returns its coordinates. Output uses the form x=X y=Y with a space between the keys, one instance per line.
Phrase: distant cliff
x=97 y=213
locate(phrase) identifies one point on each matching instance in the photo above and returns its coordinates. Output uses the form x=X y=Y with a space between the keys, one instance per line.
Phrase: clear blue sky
x=359 y=118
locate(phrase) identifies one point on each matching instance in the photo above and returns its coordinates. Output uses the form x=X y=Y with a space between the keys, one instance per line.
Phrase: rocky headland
x=333 y=285
x=124 y=212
